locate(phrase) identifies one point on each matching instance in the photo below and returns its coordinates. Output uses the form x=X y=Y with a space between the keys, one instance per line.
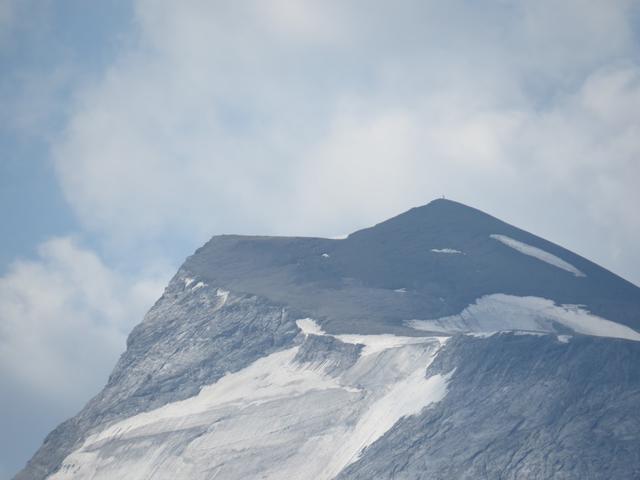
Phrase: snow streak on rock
x=538 y=253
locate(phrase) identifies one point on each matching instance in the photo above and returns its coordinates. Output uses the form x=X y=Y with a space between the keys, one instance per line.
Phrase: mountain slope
x=521 y=406
x=359 y=275
x=262 y=350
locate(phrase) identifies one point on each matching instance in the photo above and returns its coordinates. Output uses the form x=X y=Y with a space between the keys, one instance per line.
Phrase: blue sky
x=47 y=49
x=130 y=132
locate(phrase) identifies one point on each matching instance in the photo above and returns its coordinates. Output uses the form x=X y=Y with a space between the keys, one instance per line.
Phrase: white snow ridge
x=538 y=253
x=500 y=312
x=278 y=418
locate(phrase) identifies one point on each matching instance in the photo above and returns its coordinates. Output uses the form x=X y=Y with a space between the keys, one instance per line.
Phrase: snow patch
x=372 y=343
x=223 y=295
x=500 y=312
x=377 y=343
x=445 y=250
x=526 y=332
x=400 y=290
x=538 y=253
x=188 y=281
x=481 y=334
x=325 y=255
x=309 y=327
x=198 y=286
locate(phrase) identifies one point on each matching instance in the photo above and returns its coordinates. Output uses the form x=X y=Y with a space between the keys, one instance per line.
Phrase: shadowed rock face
x=353 y=288
x=516 y=405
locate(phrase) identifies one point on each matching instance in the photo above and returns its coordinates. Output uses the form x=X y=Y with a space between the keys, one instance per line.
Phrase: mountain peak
x=442 y=202
x=295 y=335
x=445 y=255
x=438 y=214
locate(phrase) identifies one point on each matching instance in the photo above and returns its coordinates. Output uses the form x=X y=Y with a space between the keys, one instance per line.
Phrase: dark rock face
x=516 y=405
x=521 y=406
x=352 y=290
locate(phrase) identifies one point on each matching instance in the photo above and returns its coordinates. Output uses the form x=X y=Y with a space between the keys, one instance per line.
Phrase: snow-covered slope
x=303 y=412
x=442 y=343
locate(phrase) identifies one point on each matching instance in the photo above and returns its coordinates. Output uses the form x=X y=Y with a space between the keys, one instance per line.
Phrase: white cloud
x=64 y=318
x=586 y=148
x=318 y=117
x=6 y=16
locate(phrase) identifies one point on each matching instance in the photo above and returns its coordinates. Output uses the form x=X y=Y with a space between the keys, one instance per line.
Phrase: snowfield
x=446 y=250
x=279 y=418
